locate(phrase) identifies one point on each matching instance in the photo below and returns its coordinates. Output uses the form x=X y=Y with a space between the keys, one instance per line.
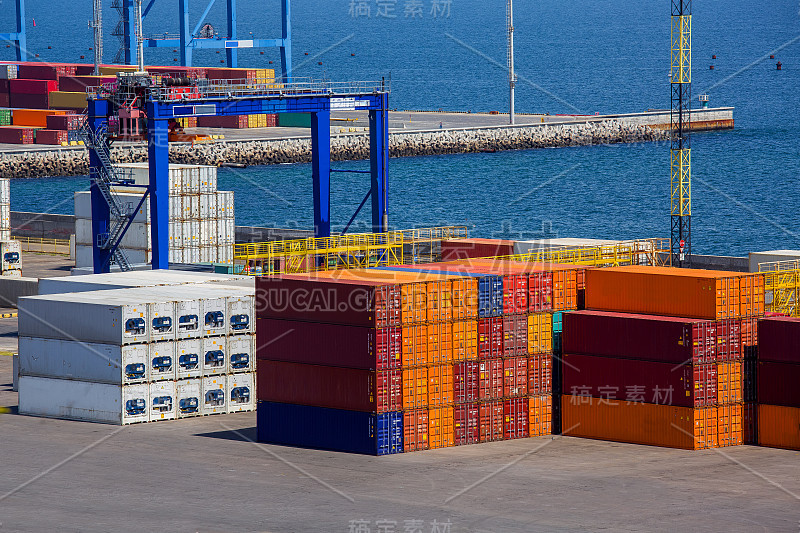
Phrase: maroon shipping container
x=231 y=122
x=466 y=382
x=491 y=421
x=84 y=70
x=231 y=74
x=490 y=376
x=78 y=84
x=272 y=121
x=473 y=248
x=17 y=135
x=729 y=340
x=778 y=383
x=779 y=340
x=32 y=86
x=515 y=335
x=52 y=137
x=540 y=374
x=630 y=336
x=749 y=424
x=64 y=122
x=5 y=86
x=5 y=99
x=329 y=386
x=631 y=380
x=490 y=338
x=30 y=101
x=466 y=426
x=515 y=377
x=328 y=344
x=349 y=302
x=515 y=418
x=44 y=71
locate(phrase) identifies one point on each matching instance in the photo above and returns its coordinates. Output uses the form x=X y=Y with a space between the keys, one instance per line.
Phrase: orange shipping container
x=779 y=427
x=705 y=294
x=465 y=298
x=36 y=118
x=415 y=388
x=729 y=383
x=415 y=430
x=440 y=301
x=540 y=411
x=540 y=333
x=751 y=301
x=440 y=343
x=415 y=346
x=440 y=427
x=651 y=424
x=465 y=341
x=440 y=385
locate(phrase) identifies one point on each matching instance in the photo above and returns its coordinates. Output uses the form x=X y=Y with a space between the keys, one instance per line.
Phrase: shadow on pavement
x=250 y=433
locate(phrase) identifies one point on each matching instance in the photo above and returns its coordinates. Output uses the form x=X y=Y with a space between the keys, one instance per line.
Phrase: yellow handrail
x=50 y=246
x=782 y=286
x=653 y=252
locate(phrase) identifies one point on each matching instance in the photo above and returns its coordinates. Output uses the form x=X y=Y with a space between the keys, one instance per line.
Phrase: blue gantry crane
x=19 y=38
x=188 y=39
x=145 y=105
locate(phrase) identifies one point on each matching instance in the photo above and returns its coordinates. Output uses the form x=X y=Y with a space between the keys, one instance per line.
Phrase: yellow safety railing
x=653 y=252
x=781 y=286
x=46 y=246
x=424 y=245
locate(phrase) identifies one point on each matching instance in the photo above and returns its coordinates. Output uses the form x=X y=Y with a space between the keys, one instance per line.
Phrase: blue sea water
x=582 y=56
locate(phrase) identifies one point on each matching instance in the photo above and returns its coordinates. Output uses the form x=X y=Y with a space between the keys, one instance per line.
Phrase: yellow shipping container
x=71 y=100
x=112 y=70
x=252 y=121
x=540 y=333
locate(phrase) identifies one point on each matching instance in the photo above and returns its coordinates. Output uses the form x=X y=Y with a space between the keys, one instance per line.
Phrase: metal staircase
x=104 y=177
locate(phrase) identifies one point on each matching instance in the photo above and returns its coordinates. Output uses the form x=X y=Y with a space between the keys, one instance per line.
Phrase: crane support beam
x=680 y=146
x=18 y=38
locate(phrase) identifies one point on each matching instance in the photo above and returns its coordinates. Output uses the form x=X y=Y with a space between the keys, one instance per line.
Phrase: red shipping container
x=468 y=248
x=749 y=331
x=778 y=383
x=272 y=121
x=466 y=382
x=515 y=377
x=540 y=374
x=540 y=292
x=52 y=137
x=329 y=344
x=729 y=340
x=231 y=122
x=490 y=338
x=17 y=135
x=631 y=380
x=32 y=86
x=44 y=71
x=64 y=122
x=779 y=340
x=491 y=421
x=515 y=335
x=648 y=337
x=415 y=430
x=490 y=374
x=328 y=386
x=515 y=418
x=29 y=101
x=349 y=302
x=78 y=84
x=466 y=429
x=231 y=74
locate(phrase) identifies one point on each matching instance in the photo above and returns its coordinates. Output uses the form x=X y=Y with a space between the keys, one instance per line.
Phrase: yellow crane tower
x=680 y=149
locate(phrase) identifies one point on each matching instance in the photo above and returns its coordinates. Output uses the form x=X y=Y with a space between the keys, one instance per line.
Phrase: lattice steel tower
x=680 y=149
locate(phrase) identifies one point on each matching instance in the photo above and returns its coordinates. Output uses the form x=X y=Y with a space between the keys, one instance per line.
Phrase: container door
x=241 y=353
x=162 y=321
x=214 y=395
x=215 y=360
x=241 y=392
x=189 y=356
x=135 y=364
x=162 y=401
x=135 y=403
x=162 y=361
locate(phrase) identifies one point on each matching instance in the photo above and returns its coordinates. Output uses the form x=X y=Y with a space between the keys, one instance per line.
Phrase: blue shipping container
x=490 y=288
x=558 y=322
x=330 y=429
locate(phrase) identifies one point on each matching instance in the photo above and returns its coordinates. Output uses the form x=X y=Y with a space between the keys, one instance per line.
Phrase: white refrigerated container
x=189 y=354
x=10 y=255
x=242 y=353
x=163 y=405
x=215 y=395
x=215 y=356
x=241 y=392
x=161 y=356
x=189 y=397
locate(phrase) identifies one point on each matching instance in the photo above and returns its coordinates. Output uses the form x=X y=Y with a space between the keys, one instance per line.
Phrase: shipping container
x=440 y=427
x=656 y=338
x=729 y=383
x=69 y=359
x=51 y=137
x=32 y=86
x=230 y=122
x=779 y=339
x=440 y=343
x=540 y=415
x=241 y=392
x=778 y=383
x=415 y=430
x=778 y=426
x=161 y=358
x=415 y=345
x=188 y=396
x=440 y=385
x=189 y=358
x=471 y=248
x=35 y=118
x=242 y=353
x=750 y=380
x=515 y=335
x=17 y=135
x=540 y=374
x=329 y=344
x=492 y=418
x=466 y=382
x=491 y=378
x=329 y=386
x=81 y=83
x=415 y=388
x=515 y=418
x=162 y=401
x=750 y=423
x=515 y=377
x=540 y=333
x=215 y=356
x=749 y=332
x=83 y=400
x=729 y=340
x=690 y=293
x=631 y=380
x=490 y=338
x=650 y=424
x=466 y=424
x=214 y=395
x=465 y=340
x=44 y=71
x=330 y=429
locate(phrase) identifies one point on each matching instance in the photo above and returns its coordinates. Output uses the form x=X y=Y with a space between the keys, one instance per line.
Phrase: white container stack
x=5 y=209
x=11 y=259
x=201 y=218
x=138 y=354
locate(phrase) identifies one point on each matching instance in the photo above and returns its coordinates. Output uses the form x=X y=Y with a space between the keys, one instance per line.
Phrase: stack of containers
x=778 y=376
x=658 y=359
x=202 y=223
x=139 y=354
x=69 y=124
